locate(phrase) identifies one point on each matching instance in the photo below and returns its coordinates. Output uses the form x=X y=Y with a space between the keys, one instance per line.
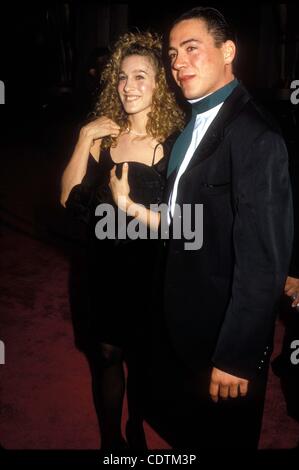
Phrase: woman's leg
x=108 y=387
x=136 y=363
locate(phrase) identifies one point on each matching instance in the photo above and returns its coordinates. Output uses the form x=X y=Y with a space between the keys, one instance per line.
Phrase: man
x=220 y=300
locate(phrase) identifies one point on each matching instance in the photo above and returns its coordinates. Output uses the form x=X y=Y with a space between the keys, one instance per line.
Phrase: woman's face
x=136 y=84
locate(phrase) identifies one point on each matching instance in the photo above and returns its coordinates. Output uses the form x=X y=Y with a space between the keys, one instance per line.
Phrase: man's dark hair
x=216 y=24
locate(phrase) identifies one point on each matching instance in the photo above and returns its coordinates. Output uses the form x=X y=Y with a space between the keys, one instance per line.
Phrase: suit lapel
x=169 y=186
x=228 y=112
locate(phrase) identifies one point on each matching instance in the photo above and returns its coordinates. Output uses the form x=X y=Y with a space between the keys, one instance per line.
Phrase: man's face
x=198 y=66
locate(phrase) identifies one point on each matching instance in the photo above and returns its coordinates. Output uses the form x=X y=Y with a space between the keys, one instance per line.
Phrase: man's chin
x=191 y=94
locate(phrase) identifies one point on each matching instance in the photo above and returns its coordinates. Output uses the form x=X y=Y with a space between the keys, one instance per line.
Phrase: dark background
x=47 y=49
x=48 y=46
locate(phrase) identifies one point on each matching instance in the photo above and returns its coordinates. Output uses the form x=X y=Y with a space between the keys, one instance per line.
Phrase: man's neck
x=212 y=100
x=226 y=82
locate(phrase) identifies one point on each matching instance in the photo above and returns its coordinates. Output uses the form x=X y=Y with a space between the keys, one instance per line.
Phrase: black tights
x=108 y=388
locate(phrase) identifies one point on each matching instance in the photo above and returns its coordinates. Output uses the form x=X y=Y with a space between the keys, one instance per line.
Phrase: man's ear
x=229 y=51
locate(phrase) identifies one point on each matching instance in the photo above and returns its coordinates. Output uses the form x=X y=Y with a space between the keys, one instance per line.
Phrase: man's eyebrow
x=183 y=43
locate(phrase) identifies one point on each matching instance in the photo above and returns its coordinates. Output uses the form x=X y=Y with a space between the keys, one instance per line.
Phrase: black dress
x=122 y=272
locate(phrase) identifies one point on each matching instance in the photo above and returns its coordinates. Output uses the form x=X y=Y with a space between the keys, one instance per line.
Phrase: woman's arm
x=89 y=142
x=120 y=192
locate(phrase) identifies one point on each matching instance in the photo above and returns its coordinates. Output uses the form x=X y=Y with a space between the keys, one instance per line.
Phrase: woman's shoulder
x=95 y=150
x=96 y=164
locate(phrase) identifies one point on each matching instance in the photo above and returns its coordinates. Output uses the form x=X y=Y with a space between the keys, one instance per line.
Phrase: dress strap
x=155 y=149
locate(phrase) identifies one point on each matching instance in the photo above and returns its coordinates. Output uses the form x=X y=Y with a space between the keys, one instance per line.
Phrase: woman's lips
x=131 y=98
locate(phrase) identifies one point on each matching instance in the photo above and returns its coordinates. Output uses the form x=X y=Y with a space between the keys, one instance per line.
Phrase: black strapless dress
x=122 y=273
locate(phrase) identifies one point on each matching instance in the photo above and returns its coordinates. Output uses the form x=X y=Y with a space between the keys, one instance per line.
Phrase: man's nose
x=179 y=62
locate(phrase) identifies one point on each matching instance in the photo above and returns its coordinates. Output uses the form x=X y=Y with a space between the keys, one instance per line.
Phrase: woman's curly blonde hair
x=165 y=116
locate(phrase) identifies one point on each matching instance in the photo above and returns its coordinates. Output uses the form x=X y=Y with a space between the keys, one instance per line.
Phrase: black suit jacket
x=220 y=299
x=294 y=174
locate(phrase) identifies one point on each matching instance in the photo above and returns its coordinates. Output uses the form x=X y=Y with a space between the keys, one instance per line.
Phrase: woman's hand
x=99 y=128
x=120 y=188
x=89 y=142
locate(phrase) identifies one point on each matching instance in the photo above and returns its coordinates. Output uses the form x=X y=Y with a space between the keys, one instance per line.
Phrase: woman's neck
x=137 y=124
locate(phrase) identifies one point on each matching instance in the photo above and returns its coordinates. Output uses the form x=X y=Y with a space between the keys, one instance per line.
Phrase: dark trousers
x=184 y=412
x=232 y=423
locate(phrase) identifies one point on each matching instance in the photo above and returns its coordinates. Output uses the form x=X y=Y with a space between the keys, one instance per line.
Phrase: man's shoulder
x=258 y=113
x=255 y=115
x=251 y=122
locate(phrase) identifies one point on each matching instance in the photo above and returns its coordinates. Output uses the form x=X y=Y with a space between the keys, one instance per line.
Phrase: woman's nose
x=128 y=85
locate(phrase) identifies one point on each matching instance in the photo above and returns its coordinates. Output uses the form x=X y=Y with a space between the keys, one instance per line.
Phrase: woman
x=136 y=115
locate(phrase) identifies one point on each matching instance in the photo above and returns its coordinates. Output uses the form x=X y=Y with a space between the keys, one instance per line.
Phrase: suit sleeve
x=294 y=174
x=262 y=241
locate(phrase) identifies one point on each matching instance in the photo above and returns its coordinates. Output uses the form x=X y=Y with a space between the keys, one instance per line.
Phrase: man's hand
x=291 y=289
x=120 y=188
x=225 y=385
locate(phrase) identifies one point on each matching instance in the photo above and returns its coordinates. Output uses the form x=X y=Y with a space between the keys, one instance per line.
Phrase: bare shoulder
x=95 y=149
x=158 y=151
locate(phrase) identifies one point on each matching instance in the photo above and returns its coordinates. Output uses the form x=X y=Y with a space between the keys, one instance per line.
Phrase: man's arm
x=120 y=190
x=262 y=238
x=291 y=288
